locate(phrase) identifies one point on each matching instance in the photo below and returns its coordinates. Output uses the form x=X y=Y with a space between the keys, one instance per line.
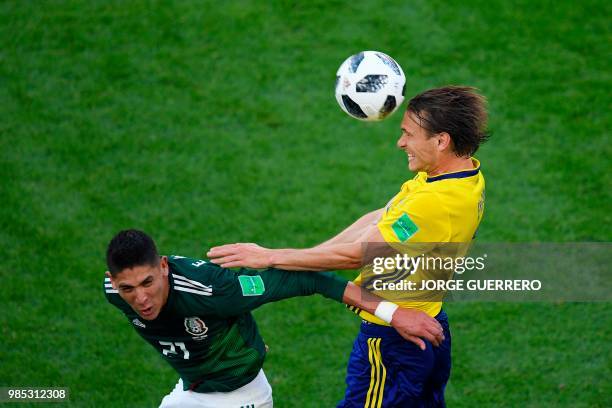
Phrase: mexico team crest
x=196 y=327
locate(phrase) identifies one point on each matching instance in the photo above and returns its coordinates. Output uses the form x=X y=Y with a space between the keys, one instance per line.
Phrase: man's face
x=145 y=288
x=422 y=150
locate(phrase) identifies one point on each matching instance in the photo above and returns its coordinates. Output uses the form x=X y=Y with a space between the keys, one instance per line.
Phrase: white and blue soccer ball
x=370 y=85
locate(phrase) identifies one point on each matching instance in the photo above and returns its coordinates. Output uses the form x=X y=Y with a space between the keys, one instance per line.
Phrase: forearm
x=355 y=295
x=323 y=257
x=355 y=230
x=330 y=257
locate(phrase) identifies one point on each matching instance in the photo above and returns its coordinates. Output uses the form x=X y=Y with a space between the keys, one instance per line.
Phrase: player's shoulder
x=426 y=197
x=186 y=263
x=415 y=196
x=197 y=274
x=419 y=188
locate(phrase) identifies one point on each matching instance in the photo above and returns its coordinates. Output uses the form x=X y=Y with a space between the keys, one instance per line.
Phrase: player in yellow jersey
x=440 y=131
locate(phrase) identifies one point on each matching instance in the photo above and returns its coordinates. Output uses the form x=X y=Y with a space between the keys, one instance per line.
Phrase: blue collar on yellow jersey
x=458 y=174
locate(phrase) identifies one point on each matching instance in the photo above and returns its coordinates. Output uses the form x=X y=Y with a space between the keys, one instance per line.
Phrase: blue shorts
x=384 y=370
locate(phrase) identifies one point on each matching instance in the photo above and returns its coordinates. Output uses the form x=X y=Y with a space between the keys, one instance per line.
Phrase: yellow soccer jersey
x=444 y=208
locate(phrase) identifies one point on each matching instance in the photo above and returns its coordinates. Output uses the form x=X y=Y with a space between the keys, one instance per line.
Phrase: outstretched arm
x=333 y=254
x=237 y=293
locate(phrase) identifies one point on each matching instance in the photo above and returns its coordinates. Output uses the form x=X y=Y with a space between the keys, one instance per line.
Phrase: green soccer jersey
x=206 y=331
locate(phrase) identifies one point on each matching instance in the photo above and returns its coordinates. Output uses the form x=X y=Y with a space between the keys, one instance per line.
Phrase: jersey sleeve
x=235 y=293
x=420 y=218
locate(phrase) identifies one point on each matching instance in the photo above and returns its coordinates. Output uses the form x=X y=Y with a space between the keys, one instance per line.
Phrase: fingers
x=431 y=337
x=227 y=261
x=439 y=335
x=234 y=264
x=246 y=255
x=436 y=325
x=434 y=328
x=434 y=338
x=431 y=330
x=416 y=324
x=219 y=260
x=222 y=250
x=416 y=340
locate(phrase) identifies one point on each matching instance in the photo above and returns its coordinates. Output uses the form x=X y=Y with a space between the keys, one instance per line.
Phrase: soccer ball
x=370 y=85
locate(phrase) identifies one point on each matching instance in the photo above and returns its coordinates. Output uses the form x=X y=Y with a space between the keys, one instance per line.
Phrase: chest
x=182 y=338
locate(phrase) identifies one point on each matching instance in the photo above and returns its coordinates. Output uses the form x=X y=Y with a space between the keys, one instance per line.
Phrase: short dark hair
x=459 y=111
x=130 y=248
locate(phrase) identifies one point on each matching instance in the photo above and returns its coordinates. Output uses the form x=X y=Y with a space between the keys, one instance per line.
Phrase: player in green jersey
x=197 y=316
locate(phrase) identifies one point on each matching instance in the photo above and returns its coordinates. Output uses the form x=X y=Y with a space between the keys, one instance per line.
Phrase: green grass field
x=205 y=124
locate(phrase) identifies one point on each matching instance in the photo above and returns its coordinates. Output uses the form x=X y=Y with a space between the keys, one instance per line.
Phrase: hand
x=413 y=324
x=240 y=255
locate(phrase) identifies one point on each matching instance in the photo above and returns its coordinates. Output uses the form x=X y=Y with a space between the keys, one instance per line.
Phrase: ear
x=444 y=141
x=163 y=262
x=108 y=275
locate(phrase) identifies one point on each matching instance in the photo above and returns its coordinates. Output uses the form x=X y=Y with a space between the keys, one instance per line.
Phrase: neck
x=166 y=291
x=451 y=165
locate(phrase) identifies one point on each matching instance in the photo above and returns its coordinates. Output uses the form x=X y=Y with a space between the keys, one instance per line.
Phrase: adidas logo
x=138 y=323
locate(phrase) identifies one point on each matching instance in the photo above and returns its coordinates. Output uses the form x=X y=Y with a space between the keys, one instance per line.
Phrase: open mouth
x=146 y=312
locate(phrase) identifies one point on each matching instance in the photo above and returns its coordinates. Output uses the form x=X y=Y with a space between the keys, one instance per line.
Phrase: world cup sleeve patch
x=404 y=227
x=251 y=285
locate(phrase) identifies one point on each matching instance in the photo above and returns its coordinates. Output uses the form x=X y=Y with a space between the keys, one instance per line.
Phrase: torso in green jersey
x=206 y=331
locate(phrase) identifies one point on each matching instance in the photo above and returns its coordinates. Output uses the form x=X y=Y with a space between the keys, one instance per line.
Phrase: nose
x=401 y=142
x=141 y=296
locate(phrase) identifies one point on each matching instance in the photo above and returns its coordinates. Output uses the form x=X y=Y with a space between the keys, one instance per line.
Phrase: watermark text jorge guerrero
x=489 y=271
x=460 y=285
x=441 y=278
